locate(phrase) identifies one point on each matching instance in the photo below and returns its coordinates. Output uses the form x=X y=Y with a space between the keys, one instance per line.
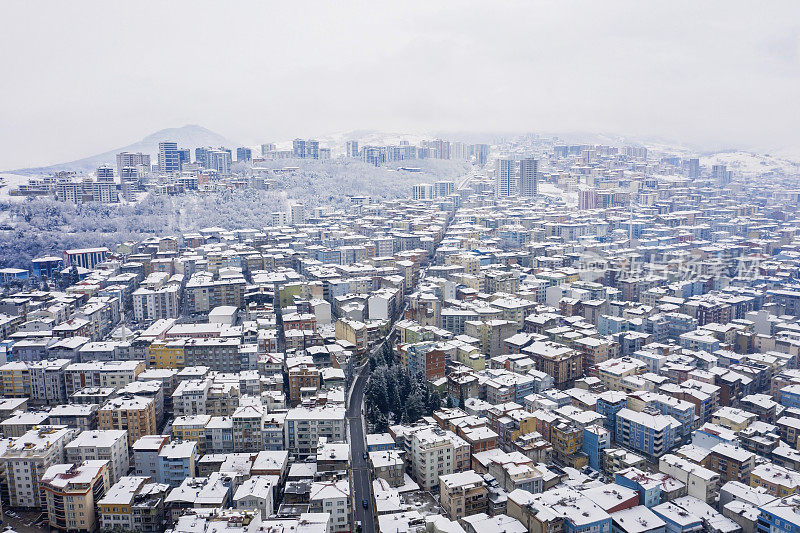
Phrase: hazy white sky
x=79 y=78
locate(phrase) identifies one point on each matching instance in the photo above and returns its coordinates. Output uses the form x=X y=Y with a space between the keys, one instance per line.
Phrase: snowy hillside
x=190 y=136
x=749 y=164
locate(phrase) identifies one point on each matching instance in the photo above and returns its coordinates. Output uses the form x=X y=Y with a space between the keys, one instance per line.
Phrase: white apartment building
x=103 y=444
x=506 y=181
x=332 y=497
x=47 y=382
x=101 y=374
x=305 y=425
x=27 y=459
x=256 y=493
x=190 y=397
x=150 y=305
x=436 y=452
x=702 y=483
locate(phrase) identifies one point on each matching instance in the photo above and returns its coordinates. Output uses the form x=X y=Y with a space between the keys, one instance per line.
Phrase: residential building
x=135 y=414
x=71 y=492
x=27 y=459
x=104 y=445
x=463 y=494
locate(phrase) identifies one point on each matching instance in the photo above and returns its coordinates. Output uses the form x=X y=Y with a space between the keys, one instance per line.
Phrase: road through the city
x=362 y=483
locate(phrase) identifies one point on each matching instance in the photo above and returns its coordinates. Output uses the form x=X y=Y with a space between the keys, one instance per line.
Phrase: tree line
x=393 y=395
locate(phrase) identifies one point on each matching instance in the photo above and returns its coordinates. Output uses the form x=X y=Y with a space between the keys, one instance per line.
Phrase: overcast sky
x=82 y=78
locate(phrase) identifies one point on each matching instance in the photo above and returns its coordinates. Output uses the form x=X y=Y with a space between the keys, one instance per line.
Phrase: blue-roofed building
x=9 y=274
x=648 y=486
x=380 y=442
x=609 y=403
x=46 y=266
x=790 y=396
x=677 y=519
x=651 y=434
x=596 y=438
x=780 y=516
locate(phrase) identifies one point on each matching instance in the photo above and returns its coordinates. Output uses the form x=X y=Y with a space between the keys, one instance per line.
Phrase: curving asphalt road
x=360 y=475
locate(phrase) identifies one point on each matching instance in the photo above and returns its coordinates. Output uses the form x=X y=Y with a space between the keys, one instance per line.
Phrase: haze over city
x=713 y=75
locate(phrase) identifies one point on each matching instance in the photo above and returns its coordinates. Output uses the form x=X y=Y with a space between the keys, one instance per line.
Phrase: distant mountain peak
x=187 y=131
x=188 y=136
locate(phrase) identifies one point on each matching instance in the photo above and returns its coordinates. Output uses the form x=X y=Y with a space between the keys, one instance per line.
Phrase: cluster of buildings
x=404 y=151
x=624 y=366
x=67 y=186
x=174 y=171
x=202 y=375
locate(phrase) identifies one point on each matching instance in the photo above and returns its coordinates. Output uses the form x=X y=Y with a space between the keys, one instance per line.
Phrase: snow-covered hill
x=190 y=136
x=750 y=164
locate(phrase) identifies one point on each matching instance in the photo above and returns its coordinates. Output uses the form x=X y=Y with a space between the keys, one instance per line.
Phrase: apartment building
x=135 y=414
x=70 y=493
x=304 y=426
x=701 y=482
x=28 y=457
x=557 y=360
x=257 y=493
x=731 y=462
x=114 y=374
x=513 y=471
x=354 y=332
x=176 y=462
x=133 y=504
x=463 y=494
x=80 y=416
x=733 y=418
x=219 y=354
x=167 y=353
x=650 y=434
x=435 y=452
x=248 y=425
x=104 y=445
x=388 y=465
x=423 y=358
x=145 y=454
x=683 y=412
x=567 y=439
x=303 y=377
x=16 y=380
x=613 y=371
x=191 y=396
x=150 y=305
x=333 y=498
x=776 y=480
x=47 y=381
x=192 y=428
